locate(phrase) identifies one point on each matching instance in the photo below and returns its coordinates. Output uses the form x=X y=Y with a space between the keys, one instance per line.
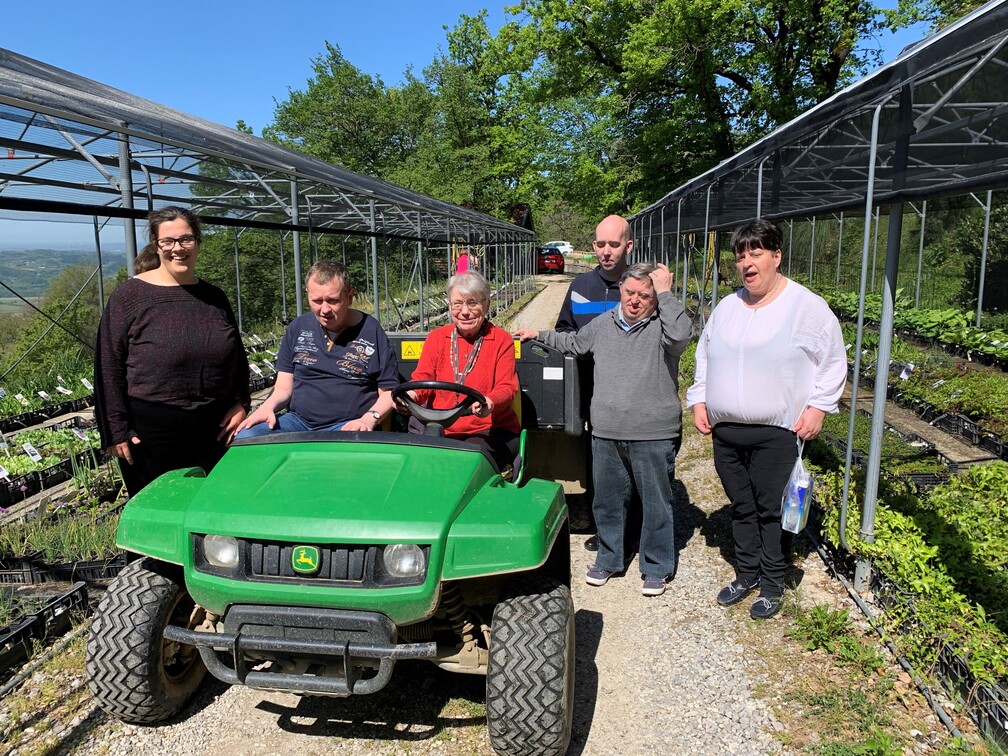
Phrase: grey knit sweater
x=636 y=396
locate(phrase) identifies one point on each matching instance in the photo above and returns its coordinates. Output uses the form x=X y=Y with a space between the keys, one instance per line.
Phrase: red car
x=549 y=261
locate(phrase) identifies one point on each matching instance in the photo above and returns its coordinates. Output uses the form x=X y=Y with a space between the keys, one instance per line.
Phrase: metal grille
x=338 y=563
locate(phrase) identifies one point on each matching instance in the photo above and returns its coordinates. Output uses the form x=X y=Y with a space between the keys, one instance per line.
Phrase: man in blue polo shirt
x=335 y=368
x=597 y=291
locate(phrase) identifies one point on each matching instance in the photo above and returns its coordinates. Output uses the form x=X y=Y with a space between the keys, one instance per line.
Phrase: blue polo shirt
x=336 y=383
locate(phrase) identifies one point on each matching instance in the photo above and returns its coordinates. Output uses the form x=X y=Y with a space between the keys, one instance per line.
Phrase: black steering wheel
x=442 y=418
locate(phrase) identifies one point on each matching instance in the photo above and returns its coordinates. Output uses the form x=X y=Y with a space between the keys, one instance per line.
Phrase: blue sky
x=227 y=61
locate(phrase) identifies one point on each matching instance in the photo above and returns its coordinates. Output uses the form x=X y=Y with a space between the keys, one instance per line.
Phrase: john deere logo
x=305 y=560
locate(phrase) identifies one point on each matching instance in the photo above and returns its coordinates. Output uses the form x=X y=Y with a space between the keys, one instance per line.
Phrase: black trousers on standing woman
x=172 y=438
x=754 y=463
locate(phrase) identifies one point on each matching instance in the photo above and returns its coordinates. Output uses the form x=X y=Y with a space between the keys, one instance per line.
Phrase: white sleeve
x=697 y=393
x=830 y=370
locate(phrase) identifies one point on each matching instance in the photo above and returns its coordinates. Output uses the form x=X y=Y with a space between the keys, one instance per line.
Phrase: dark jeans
x=619 y=467
x=754 y=463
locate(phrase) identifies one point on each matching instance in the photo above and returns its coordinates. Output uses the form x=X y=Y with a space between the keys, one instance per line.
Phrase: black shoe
x=592 y=543
x=735 y=591
x=765 y=607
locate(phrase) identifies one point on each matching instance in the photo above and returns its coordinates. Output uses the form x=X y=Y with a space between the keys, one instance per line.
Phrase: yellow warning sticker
x=410 y=350
x=517 y=344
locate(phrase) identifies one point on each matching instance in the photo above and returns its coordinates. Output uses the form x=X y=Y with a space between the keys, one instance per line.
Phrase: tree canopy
x=590 y=107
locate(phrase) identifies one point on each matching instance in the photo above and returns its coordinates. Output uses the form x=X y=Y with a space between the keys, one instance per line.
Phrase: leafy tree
x=657 y=91
x=68 y=347
x=352 y=119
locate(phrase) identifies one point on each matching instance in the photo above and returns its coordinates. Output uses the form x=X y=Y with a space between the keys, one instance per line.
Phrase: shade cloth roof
x=62 y=135
x=953 y=88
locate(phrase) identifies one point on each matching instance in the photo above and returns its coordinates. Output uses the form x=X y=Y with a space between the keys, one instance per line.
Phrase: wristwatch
x=375 y=415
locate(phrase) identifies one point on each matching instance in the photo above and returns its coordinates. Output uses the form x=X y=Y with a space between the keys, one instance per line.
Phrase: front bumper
x=332 y=652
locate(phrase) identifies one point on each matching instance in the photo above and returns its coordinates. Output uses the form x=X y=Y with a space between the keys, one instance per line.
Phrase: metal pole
x=241 y=328
x=283 y=280
x=101 y=276
x=898 y=181
x=790 y=244
x=295 y=220
x=866 y=240
x=811 y=252
x=983 y=259
x=126 y=192
x=374 y=258
x=839 y=248
x=920 y=254
x=678 y=242
x=874 y=259
x=421 y=280
x=714 y=272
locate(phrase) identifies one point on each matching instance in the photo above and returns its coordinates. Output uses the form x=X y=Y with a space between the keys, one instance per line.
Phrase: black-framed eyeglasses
x=599 y=244
x=186 y=242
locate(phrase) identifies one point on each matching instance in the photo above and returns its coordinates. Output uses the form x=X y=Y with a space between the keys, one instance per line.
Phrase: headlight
x=403 y=560
x=221 y=551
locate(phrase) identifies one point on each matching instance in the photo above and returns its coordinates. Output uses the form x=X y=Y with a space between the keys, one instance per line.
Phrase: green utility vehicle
x=312 y=562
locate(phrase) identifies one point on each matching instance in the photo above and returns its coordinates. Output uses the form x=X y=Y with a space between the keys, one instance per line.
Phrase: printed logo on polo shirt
x=355 y=360
x=305 y=342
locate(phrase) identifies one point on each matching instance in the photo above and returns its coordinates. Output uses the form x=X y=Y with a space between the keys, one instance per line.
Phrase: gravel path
x=662 y=675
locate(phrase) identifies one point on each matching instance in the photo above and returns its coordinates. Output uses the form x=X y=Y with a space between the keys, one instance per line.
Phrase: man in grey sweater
x=636 y=417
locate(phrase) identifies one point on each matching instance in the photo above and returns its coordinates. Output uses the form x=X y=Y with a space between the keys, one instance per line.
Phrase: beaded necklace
x=471 y=361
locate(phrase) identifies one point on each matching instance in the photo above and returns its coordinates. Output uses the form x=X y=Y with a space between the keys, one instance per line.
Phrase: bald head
x=612 y=244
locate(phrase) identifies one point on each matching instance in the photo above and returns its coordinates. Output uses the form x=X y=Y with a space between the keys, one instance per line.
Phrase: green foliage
x=687 y=364
x=821 y=627
x=901 y=457
x=876 y=744
x=647 y=95
x=66 y=349
x=82 y=537
x=924 y=547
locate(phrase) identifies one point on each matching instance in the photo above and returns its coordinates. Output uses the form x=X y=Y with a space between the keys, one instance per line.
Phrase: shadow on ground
x=587 y=636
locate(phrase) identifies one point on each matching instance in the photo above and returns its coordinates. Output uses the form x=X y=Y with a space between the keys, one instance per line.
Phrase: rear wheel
x=133 y=672
x=530 y=675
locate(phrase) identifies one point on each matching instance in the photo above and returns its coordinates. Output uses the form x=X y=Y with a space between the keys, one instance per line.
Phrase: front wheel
x=530 y=675
x=133 y=672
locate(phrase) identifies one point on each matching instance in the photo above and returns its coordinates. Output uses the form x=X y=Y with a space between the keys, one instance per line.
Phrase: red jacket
x=493 y=375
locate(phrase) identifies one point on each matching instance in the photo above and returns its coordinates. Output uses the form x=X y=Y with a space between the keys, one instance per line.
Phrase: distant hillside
x=29 y=271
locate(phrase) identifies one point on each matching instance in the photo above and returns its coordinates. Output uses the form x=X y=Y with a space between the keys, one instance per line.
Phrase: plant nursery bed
x=19 y=570
x=88 y=571
x=17 y=640
x=986 y=704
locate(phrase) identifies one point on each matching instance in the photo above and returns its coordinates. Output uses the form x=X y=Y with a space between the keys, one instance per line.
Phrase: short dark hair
x=639 y=272
x=759 y=234
x=325 y=271
x=169 y=213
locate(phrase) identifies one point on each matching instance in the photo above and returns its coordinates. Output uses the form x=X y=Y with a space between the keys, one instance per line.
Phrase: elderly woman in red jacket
x=473 y=351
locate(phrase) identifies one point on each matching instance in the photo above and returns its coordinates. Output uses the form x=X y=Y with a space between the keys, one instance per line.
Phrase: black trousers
x=171 y=438
x=754 y=463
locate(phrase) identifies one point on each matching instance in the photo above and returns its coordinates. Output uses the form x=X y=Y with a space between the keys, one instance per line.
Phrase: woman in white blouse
x=770 y=364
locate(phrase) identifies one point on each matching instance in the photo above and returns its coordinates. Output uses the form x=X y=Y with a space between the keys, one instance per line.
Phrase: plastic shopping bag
x=797 y=496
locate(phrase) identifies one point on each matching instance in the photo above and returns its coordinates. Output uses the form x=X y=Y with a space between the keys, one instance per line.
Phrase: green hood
x=336 y=492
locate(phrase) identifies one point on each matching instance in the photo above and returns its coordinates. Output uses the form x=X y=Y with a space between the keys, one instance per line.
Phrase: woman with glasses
x=171 y=375
x=473 y=351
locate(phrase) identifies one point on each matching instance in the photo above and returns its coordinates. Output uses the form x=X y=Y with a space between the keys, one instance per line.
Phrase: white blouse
x=764 y=366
